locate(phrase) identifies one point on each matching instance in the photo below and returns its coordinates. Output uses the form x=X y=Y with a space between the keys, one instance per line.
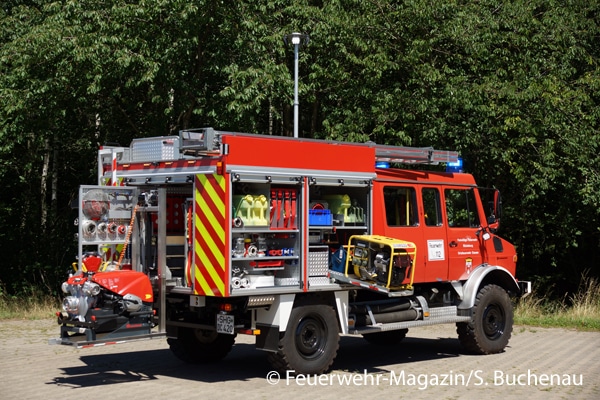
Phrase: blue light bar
x=455 y=166
x=382 y=164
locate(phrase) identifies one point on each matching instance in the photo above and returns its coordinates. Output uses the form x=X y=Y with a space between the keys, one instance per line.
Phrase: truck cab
x=443 y=214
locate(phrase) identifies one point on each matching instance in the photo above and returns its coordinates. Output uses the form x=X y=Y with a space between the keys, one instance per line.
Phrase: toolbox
x=320 y=217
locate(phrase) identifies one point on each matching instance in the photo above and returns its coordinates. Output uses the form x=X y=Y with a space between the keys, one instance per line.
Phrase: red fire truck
x=206 y=235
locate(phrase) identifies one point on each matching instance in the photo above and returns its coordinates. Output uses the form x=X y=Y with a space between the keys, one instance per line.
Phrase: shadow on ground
x=244 y=363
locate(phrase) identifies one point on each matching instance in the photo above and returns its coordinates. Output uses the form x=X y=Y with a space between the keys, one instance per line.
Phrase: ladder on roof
x=414 y=155
x=207 y=140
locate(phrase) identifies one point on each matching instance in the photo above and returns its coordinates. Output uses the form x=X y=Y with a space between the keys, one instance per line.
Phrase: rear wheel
x=197 y=346
x=491 y=326
x=310 y=343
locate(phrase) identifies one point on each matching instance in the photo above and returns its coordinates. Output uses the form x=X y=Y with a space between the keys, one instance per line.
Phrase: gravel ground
x=538 y=364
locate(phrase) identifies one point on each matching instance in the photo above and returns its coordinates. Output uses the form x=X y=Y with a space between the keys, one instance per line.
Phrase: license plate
x=225 y=323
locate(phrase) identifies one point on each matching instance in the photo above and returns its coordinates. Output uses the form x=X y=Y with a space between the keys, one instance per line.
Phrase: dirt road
x=539 y=364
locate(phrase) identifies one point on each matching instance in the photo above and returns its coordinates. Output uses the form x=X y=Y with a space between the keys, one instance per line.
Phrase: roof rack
x=413 y=155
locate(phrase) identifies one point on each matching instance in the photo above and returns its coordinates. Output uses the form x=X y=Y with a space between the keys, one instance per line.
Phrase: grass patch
x=36 y=306
x=578 y=311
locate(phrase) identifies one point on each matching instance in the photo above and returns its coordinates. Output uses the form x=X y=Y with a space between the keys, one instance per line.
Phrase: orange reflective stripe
x=209 y=236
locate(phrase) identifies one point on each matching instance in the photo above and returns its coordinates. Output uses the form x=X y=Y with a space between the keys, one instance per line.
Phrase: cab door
x=401 y=219
x=463 y=223
x=434 y=251
x=414 y=213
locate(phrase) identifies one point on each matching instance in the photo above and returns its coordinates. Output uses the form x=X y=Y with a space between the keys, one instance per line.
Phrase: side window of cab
x=461 y=208
x=432 y=206
x=400 y=206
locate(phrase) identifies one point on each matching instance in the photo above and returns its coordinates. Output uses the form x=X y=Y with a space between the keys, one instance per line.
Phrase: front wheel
x=310 y=343
x=491 y=325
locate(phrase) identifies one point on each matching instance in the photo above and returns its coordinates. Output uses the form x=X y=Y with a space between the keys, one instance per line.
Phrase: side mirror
x=495 y=211
x=497 y=204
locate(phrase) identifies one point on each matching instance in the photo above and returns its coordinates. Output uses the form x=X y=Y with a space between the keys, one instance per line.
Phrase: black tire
x=196 y=346
x=310 y=342
x=491 y=325
x=386 y=338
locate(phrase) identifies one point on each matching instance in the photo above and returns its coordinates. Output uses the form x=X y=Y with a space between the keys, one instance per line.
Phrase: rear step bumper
x=79 y=342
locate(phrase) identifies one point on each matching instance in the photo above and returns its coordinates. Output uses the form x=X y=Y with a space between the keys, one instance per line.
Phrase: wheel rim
x=204 y=336
x=494 y=322
x=311 y=337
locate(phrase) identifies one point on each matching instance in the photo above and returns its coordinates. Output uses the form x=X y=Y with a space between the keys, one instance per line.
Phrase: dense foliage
x=514 y=86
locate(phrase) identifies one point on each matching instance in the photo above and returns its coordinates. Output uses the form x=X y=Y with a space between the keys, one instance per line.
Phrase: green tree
x=513 y=86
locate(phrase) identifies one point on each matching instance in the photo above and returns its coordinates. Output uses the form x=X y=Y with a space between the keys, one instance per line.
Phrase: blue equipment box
x=320 y=217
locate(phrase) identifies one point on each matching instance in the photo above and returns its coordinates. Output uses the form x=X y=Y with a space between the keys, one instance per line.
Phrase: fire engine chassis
x=206 y=235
